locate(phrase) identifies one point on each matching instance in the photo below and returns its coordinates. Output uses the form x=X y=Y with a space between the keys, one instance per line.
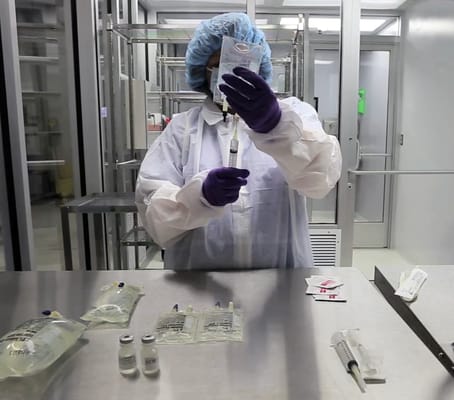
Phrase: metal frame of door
x=19 y=193
x=372 y=234
x=377 y=234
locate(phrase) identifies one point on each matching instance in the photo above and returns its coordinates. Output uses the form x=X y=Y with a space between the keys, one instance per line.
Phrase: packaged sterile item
x=235 y=53
x=221 y=324
x=36 y=344
x=370 y=359
x=411 y=284
x=326 y=288
x=176 y=327
x=114 y=306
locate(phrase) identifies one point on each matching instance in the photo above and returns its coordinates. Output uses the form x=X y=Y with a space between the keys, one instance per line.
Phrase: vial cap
x=148 y=339
x=124 y=339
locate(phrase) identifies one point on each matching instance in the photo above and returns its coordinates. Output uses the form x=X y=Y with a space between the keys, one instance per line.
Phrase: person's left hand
x=252 y=99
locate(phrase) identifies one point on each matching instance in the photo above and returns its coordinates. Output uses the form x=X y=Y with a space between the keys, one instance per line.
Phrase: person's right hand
x=222 y=185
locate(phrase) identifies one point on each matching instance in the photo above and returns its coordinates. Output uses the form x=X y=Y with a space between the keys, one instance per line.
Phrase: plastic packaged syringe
x=347 y=358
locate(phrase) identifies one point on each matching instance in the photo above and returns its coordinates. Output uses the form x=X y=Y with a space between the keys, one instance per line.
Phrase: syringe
x=348 y=359
x=233 y=152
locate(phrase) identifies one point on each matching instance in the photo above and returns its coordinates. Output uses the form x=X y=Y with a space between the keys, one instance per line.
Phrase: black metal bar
x=66 y=234
x=10 y=207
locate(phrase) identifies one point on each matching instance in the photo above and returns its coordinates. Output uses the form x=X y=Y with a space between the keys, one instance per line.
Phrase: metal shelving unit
x=176 y=34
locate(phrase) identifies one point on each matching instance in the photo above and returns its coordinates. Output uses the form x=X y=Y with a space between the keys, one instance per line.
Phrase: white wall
x=423 y=220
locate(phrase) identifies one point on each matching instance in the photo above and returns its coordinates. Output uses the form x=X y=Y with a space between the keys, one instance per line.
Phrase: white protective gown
x=267 y=226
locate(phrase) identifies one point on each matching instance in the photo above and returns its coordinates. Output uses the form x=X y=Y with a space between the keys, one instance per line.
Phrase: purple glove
x=222 y=185
x=253 y=100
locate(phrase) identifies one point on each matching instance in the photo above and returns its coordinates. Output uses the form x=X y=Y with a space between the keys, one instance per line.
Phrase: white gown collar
x=211 y=112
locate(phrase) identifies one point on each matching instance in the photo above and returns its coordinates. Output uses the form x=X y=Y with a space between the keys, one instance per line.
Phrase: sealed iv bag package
x=176 y=327
x=220 y=325
x=114 y=306
x=36 y=344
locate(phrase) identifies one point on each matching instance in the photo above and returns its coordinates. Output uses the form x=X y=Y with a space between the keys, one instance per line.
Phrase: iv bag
x=114 y=306
x=235 y=53
x=36 y=344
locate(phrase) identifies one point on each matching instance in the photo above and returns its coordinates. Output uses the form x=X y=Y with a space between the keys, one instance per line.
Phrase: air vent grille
x=325 y=247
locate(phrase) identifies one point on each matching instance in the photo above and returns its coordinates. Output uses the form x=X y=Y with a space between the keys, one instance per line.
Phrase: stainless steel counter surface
x=435 y=302
x=430 y=316
x=285 y=354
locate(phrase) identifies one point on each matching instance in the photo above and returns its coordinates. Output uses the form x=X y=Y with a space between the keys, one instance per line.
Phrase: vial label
x=150 y=365
x=127 y=363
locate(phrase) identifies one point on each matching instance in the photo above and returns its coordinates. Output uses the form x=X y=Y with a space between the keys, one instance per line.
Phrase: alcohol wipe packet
x=114 y=306
x=36 y=344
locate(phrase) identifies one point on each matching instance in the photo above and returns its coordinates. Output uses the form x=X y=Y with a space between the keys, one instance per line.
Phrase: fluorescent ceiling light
x=195 y=22
x=374 y=4
x=325 y=24
x=370 y=24
x=289 y=21
x=391 y=30
x=381 y=4
x=323 y=62
x=334 y=24
x=174 y=21
x=312 y=3
x=178 y=3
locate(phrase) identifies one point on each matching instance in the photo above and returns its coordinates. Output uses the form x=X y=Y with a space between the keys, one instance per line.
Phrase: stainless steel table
x=286 y=351
x=431 y=315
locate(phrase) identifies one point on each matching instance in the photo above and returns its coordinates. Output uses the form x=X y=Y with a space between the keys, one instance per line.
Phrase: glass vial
x=149 y=355
x=127 y=361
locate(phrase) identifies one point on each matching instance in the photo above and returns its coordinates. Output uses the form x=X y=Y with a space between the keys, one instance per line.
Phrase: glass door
x=374 y=141
x=43 y=29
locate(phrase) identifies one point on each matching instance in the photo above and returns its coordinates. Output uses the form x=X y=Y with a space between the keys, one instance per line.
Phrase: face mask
x=214 y=79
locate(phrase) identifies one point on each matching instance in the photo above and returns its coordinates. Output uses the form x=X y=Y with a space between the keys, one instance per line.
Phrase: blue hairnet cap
x=207 y=40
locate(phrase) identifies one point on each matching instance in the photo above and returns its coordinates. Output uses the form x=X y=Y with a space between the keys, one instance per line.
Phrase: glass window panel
x=45 y=81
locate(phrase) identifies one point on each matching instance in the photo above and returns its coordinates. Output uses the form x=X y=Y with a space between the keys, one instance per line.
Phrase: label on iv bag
x=176 y=327
x=220 y=325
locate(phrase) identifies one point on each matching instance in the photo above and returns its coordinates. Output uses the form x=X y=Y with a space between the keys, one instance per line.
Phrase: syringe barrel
x=233 y=152
x=343 y=350
x=232 y=159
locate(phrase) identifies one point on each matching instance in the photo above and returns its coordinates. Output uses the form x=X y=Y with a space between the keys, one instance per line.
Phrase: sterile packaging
x=235 y=53
x=326 y=288
x=114 y=307
x=220 y=325
x=176 y=327
x=36 y=344
x=410 y=284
